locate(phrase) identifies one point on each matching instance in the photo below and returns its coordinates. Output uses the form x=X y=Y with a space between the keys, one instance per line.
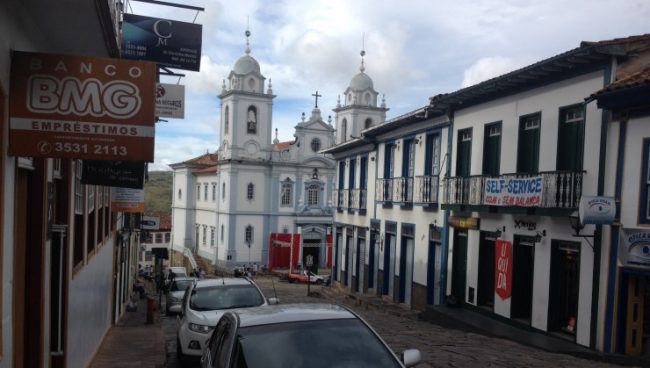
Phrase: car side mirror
x=411 y=357
x=273 y=301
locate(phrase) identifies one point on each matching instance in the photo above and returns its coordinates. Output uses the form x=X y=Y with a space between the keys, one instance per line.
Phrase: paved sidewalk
x=132 y=342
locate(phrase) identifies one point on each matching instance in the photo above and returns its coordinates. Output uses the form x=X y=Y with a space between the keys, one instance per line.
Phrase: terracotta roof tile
x=165 y=219
x=616 y=41
x=639 y=78
x=282 y=145
x=205 y=159
x=209 y=169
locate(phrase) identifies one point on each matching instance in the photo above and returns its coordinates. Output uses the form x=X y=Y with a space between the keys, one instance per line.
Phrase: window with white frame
x=313 y=194
x=286 y=197
x=250 y=191
x=205 y=234
x=205 y=192
x=198 y=192
x=223 y=191
x=212 y=231
x=90 y=189
x=214 y=191
x=222 y=231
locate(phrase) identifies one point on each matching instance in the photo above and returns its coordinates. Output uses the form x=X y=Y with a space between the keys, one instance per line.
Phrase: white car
x=204 y=302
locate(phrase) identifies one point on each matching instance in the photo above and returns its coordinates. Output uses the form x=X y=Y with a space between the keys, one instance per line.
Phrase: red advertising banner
x=503 y=269
x=81 y=107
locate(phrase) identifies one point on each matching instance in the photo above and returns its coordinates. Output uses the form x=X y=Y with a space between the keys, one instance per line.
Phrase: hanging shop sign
x=634 y=250
x=464 y=222
x=167 y=42
x=170 y=101
x=150 y=223
x=127 y=200
x=520 y=192
x=503 y=269
x=125 y=174
x=81 y=107
x=597 y=210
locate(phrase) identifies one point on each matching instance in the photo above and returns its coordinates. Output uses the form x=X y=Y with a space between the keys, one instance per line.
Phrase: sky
x=415 y=49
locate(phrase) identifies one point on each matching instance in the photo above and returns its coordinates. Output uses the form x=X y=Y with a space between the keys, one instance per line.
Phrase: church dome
x=361 y=82
x=246 y=64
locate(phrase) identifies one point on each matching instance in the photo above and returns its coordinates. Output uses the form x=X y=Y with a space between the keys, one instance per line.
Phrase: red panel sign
x=503 y=269
x=81 y=107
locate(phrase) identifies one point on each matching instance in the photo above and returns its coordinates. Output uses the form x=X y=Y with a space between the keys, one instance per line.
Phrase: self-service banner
x=81 y=107
x=503 y=269
x=520 y=192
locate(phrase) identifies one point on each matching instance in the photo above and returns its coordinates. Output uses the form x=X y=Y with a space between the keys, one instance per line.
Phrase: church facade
x=256 y=200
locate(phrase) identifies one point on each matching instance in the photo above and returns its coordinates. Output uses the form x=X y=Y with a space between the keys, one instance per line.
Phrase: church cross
x=317 y=96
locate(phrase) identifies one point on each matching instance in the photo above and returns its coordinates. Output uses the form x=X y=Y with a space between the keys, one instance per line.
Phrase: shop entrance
x=485 y=292
x=523 y=262
x=637 y=316
x=564 y=287
x=311 y=247
x=459 y=264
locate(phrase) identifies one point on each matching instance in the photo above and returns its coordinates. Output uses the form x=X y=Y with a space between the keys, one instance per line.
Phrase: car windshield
x=225 y=297
x=179 y=285
x=314 y=344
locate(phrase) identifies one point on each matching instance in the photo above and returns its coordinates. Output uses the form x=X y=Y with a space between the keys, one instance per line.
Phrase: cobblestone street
x=440 y=347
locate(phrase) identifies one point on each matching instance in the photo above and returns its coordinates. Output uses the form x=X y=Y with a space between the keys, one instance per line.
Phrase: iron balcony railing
x=358 y=199
x=341 y=198
x=384 y=190
x=561 y=189
x=420 y=189
x=426 y=189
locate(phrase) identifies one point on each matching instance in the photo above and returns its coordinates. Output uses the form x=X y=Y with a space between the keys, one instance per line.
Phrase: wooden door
x=528 y=146
x=634 y=315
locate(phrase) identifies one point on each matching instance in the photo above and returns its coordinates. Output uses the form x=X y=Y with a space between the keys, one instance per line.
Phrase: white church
x=257 y=200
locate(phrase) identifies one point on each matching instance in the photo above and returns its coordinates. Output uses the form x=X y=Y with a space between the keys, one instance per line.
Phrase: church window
x=198 y=192
x=214 y=191
x=315 y=144
x=248 y=235
x=222 y=231
x=226 y=120
x=286 y=196
x=212 y=231
x=251 y=122
x=313 y=194
x=250 y=191
x=251 y=84
x=180 y=194
x=350 y=98
x=368 y=123
x=344 y=130
x=366 y=98
x=223 y=191
x=205 y=191
x=205 y=234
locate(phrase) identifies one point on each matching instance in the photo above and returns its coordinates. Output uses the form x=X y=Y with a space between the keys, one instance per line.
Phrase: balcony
x=341 y=198
x=358 y=199
x=559 y=190
x=408 y=190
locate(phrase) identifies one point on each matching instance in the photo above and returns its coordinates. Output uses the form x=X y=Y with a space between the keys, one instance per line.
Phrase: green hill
x=158 y=192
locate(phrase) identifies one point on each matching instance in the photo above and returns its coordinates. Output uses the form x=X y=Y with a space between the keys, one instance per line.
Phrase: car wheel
x=319 y=281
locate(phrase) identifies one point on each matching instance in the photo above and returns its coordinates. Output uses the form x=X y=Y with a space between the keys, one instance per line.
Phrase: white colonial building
x=254 y=197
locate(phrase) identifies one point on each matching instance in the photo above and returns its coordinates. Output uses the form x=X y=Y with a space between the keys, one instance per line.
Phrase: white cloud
x=488 y=67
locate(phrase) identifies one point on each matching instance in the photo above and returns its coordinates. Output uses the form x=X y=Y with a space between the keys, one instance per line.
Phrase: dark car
x=299 y=335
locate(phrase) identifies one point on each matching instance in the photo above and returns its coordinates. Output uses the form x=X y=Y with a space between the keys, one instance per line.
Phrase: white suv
x=205 y=302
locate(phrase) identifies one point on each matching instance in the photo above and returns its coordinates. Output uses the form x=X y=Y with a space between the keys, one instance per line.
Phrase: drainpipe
x=445 y=222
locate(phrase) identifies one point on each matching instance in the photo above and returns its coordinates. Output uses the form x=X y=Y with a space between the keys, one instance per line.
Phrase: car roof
x=222 y=281
x=286 y=313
